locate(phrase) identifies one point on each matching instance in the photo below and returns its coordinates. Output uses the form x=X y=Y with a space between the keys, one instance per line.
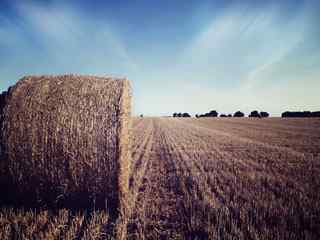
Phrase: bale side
x=124 y=146
x=62 y=139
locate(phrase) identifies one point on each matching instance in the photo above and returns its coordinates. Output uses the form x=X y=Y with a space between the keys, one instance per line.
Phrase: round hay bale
x=66 y=140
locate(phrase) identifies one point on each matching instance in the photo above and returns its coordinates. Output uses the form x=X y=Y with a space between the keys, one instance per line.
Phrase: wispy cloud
x=71 y=40
x=240 y=43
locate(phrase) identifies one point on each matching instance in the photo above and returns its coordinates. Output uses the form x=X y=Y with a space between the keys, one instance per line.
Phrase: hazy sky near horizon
x=181 y=56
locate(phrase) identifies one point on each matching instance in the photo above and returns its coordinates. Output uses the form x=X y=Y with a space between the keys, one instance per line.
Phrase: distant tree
x=186 y=115
x=229 y=115
x=174 y=115
x=264 y=114
x=213 y=113
x=285 y=114
x=197 y=115
x=288 y=114
x=316 y=114
x=223 y=115
x=179 y=115
x=306 y=114
x=238 y=114
x=141 y=115
x=255 y=114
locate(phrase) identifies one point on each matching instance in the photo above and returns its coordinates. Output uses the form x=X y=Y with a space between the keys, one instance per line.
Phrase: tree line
x=214 y=113
x=306 y=114
x=253 y=114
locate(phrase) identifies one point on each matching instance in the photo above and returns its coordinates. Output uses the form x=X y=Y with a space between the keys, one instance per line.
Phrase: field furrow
x=140 y=160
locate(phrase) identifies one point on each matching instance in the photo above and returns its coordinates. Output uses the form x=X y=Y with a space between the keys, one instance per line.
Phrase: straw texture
x=66 y=140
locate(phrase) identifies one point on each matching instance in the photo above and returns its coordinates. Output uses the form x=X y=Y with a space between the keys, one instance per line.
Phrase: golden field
x=202 y=179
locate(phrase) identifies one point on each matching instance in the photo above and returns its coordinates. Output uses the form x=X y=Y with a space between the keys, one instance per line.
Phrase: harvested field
x=218 y=179
x=225 y=179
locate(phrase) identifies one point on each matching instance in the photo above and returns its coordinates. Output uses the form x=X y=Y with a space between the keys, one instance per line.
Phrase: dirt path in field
x=201 y=179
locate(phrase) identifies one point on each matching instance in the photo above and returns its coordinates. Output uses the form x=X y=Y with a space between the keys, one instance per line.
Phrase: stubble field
x=204 y=179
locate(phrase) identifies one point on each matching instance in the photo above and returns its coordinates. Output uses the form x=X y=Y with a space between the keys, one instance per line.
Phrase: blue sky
x=185 y=56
